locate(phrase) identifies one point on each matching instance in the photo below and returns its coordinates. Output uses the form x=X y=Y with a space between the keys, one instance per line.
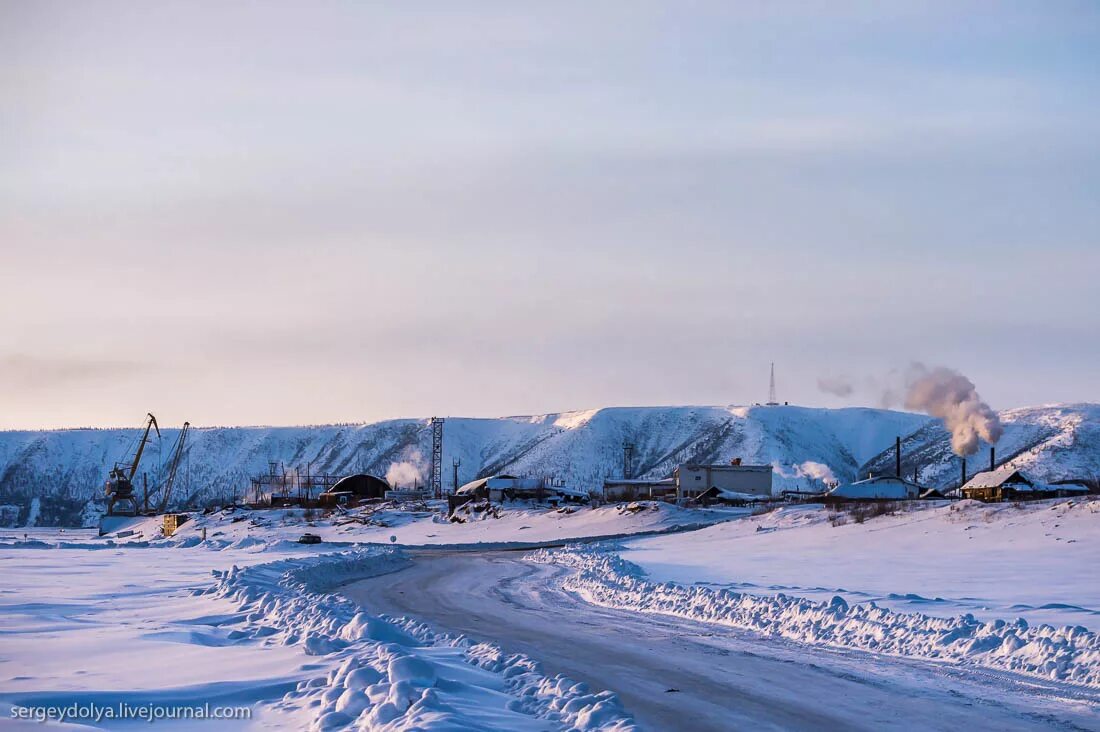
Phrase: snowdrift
x=397 y=674
x=1068 y=654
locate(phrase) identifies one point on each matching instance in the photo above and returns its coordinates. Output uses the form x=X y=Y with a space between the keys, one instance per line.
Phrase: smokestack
x=897 y=456
x=992 y=458
x=963 y=474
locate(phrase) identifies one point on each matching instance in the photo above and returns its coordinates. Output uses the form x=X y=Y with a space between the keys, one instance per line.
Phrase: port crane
x=120 y=482
x=173 y=467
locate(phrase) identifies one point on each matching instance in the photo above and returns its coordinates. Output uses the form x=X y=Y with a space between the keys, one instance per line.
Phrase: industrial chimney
x=897 y=456
x=992 y=459
x=963 y=474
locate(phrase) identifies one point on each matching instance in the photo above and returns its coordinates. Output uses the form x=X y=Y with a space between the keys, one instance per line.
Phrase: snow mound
x=397 y=674
x=1068 y=654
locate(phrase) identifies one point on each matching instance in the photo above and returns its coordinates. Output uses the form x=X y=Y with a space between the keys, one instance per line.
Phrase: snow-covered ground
x=153 y=629
x=1039 y=561
x=248 y=617
x=510 y=524
x=245 y=618
x=910 y=580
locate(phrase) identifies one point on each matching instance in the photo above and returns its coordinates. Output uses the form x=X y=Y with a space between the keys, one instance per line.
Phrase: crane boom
x=173 y=466
x=151 y=423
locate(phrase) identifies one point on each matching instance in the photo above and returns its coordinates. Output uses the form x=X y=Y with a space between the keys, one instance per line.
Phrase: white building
x=734 y=478
x=883 y=487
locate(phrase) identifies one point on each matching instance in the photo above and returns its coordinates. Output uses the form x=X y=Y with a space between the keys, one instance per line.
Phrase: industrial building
x=633 y=489
x=729 y=481
x=352 y=490
x=881 y=488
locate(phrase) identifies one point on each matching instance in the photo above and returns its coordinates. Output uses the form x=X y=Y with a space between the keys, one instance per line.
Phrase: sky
x=301 y=213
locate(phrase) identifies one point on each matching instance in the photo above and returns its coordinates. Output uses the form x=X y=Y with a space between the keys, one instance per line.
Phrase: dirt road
x=674 y=674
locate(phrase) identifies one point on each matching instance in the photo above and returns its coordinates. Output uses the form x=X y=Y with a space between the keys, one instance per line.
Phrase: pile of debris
x=637 y=507
x=475 y=511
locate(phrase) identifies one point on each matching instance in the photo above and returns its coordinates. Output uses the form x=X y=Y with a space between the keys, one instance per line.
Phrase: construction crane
x=120 y=483
x=173 y=466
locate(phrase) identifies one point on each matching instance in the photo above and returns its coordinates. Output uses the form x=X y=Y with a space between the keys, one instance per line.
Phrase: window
x=698 y=477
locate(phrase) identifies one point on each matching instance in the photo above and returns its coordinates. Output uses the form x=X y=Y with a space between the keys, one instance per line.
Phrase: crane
x=120 y=483
x=173 y=466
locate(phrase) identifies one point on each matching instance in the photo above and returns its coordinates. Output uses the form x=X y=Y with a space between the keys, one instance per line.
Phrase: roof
x=716 y=492
x=361 y=484
x=638 y=481
x=474 y=485
x=997 y=478
x=880 y=486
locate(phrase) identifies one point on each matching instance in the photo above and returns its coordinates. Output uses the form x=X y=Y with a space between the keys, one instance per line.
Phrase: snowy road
x=723 y=679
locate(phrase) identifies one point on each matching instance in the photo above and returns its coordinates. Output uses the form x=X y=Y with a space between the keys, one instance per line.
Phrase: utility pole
x=455 y=462
x=628 y=459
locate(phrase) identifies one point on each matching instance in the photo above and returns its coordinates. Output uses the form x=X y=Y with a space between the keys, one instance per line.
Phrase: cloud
x=35 y=372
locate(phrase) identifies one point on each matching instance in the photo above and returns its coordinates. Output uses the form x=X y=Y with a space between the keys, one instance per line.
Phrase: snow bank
x=1067 y=654
x=397 y=674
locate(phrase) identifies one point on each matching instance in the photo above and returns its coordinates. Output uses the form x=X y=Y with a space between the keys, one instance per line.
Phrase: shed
x=630 y=489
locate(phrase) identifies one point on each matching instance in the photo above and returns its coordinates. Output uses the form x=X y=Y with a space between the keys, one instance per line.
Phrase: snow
x=153 y=628
x=66 y=468
x=519 y=523
x=1038 y=560
x=1067 y=654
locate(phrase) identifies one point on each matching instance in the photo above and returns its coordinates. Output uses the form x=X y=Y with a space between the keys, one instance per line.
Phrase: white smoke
x=809 y=469
x=840 y=386
x=404 y=473
x=947 y=394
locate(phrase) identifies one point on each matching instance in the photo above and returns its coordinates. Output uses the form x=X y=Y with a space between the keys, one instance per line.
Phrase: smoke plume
x=809 y=469
x=836 y=385
x=947 y=394
x=404 y=474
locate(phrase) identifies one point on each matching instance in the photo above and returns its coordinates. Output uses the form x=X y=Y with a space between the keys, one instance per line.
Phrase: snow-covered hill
x=65 y=469
x=1051 y=443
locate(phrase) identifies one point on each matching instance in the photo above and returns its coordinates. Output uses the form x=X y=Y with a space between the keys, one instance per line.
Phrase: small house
x=1008 y=484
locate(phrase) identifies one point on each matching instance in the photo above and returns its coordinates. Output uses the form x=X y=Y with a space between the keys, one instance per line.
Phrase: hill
x=56 y=477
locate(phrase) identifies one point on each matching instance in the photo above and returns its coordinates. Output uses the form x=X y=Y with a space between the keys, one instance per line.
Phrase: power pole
x=455 y=462
x=436 y=477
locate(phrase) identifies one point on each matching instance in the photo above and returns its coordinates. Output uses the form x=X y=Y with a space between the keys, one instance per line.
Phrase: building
x=362 y=486
x=879 y=488
x=750 y=480
x=629 y=489
x=1008 y=484
x=509 y=487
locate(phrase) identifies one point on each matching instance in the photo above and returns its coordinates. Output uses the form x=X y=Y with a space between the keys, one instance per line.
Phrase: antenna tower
x=771 y=388
x=436 y=478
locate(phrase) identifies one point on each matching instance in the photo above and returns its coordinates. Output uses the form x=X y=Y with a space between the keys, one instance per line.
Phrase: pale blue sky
x=300 y=212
